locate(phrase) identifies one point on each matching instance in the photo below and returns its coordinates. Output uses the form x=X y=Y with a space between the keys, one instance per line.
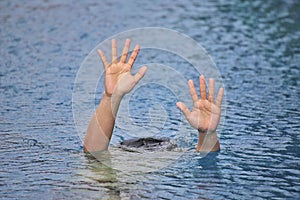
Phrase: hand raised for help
x=118 y=77
x=205 y=115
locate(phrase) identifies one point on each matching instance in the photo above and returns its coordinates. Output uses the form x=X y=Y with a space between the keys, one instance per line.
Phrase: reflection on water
x=256 y=47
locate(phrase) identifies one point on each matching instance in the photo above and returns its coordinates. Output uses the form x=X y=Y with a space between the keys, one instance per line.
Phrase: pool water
x=256 y=47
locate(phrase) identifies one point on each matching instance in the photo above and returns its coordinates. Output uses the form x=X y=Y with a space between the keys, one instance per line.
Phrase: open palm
x=118 y=77
x=205 y=115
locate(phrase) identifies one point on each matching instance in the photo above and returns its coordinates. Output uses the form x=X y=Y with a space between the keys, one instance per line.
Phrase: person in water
x=119 y=80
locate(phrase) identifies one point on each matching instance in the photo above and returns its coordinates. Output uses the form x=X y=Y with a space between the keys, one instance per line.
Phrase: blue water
x=256 y=47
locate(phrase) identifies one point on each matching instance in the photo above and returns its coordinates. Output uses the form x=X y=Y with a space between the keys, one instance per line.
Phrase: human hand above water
x=205 y=115
x=118 y=77
x=118 y=82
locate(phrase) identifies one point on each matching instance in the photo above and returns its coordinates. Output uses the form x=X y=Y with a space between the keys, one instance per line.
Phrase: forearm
x=208 y=142
x=101 y=126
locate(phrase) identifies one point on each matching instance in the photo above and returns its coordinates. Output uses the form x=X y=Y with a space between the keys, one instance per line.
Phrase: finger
x=202 y=87
x=183 y=108
x=140 y=74
x=211 y=90
x=103 y=58
x=134 y=55
x=193 y=92
x=114 y=56
x=125 y=51
x=219 y=97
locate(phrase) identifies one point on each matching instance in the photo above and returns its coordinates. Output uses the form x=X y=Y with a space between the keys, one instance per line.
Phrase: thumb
x=183 y=108
x=140 y=74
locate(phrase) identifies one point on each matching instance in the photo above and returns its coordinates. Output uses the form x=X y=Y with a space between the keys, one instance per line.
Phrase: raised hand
x=118 y=82
x=118 y=77
x=205 y=115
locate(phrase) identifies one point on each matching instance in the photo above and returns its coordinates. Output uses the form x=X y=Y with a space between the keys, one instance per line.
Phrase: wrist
x=205 y=131
x=113 y=98
x=208 y=142
x=114 y=95
x=106 y=96
x=111 y=102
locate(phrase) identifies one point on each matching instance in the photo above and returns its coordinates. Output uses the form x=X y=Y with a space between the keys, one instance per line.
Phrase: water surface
x=257 y=50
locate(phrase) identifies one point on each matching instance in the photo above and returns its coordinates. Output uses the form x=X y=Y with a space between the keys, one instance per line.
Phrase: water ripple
x=256 y=47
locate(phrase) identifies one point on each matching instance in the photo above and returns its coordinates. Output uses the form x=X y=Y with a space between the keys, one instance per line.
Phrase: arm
x=118 y=82
x=205 y=115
